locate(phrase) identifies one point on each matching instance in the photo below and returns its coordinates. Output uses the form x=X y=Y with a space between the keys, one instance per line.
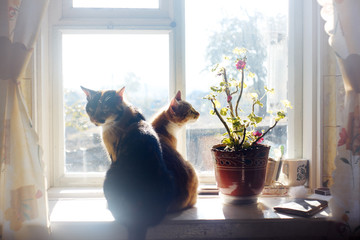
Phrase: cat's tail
x=137 y=232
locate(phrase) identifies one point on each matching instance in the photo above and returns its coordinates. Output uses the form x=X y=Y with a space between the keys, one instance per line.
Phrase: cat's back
x=139 y=152
x=167 y=123
x=140 y=136
x=138 y=185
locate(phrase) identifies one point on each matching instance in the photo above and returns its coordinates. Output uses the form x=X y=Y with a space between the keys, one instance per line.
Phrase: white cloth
x=342 y=24
x=23 y=201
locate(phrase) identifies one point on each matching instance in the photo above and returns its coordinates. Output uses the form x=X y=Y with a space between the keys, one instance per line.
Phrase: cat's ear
x=88 y=92
x=120 y=93
x=178 y=96
x=173 y=105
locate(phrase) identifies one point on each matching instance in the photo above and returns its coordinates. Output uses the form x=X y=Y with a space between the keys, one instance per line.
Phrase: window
x=103 y=60
x=110 y=11
x=258 y=26
x=154 y=52
x=116 y=4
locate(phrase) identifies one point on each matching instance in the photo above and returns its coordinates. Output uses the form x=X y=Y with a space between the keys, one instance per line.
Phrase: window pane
x=109 y=61
x=258 y=25
x=116 y=3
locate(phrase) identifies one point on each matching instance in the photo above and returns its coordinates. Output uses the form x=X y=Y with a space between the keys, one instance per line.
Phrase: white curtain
x=342 y=24
x=23 y=203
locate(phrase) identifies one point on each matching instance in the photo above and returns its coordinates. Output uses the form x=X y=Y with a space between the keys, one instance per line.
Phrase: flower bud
x=240 y=65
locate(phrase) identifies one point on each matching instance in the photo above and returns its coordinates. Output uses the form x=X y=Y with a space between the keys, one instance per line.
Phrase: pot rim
x=217 y=148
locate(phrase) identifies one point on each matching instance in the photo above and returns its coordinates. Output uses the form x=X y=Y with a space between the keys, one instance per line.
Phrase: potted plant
x=240 y=159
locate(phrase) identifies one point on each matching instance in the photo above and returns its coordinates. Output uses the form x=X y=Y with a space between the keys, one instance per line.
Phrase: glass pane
x=109 y=61
x=116 y=3
x=258 y=25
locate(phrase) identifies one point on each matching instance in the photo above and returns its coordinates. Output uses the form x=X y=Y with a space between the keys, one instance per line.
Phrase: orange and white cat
x=166 y=124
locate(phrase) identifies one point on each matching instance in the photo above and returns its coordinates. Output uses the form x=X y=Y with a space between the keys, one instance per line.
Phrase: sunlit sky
x=198 y=30
x=102 y=61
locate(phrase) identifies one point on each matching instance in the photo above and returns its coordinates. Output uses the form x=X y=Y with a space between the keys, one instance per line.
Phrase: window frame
x=47 y=76
x=65 y=19
x=163 y=12
x=60 y=178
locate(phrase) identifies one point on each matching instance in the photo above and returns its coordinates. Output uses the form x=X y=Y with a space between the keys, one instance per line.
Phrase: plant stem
x=265 y=133
x=237 y=89
x=222 y=120
x=243 y=140
x=228 y=94
x=241 y=92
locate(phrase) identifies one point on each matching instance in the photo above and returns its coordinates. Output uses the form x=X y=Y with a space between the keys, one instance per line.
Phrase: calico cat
x=166 y=124
x=138 y=187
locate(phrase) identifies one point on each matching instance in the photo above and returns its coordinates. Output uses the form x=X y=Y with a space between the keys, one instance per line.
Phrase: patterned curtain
x=23 y=202
x=342 y=24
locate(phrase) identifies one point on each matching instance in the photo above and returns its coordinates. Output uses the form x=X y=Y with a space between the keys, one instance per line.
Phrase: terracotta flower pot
x=240 y=175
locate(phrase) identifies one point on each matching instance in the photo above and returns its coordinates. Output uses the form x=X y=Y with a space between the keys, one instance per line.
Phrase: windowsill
x=88 y=218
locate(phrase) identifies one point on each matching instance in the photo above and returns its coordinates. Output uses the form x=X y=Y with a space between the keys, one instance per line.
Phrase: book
x=304 y=207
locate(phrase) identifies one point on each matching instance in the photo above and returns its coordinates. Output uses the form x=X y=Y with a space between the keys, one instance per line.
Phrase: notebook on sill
x=303 y=207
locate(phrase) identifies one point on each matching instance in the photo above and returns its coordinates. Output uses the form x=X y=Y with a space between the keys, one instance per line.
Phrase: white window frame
x=163 y=12
x=60 y=178
x=47 y=73
x=65 y=19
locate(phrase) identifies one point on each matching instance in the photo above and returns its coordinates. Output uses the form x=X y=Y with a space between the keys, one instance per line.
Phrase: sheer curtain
x=342 y=24
x=23 y=203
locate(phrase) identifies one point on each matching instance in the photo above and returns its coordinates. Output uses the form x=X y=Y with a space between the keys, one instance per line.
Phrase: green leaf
x=258 y=119
x=287 y=104
x=223 y=111
x=215 y=89
x=209 y=97
x=281 y=114
x=236 y=122
x=227 y=141
x=253 y=96
x=217 y=103
x=258 y=103
x=251 y=75
x=345 y=160
x=269 y=90
x=214 y=68
x=245 y=86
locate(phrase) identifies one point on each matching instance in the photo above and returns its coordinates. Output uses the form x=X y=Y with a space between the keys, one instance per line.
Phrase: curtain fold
x=23 y=201
x=342 y=24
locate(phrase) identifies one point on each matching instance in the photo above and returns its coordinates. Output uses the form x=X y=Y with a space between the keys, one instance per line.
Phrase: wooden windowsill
x=88 y=218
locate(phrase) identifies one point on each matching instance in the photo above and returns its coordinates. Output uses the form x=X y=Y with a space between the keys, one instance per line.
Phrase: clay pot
x=240 y=175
